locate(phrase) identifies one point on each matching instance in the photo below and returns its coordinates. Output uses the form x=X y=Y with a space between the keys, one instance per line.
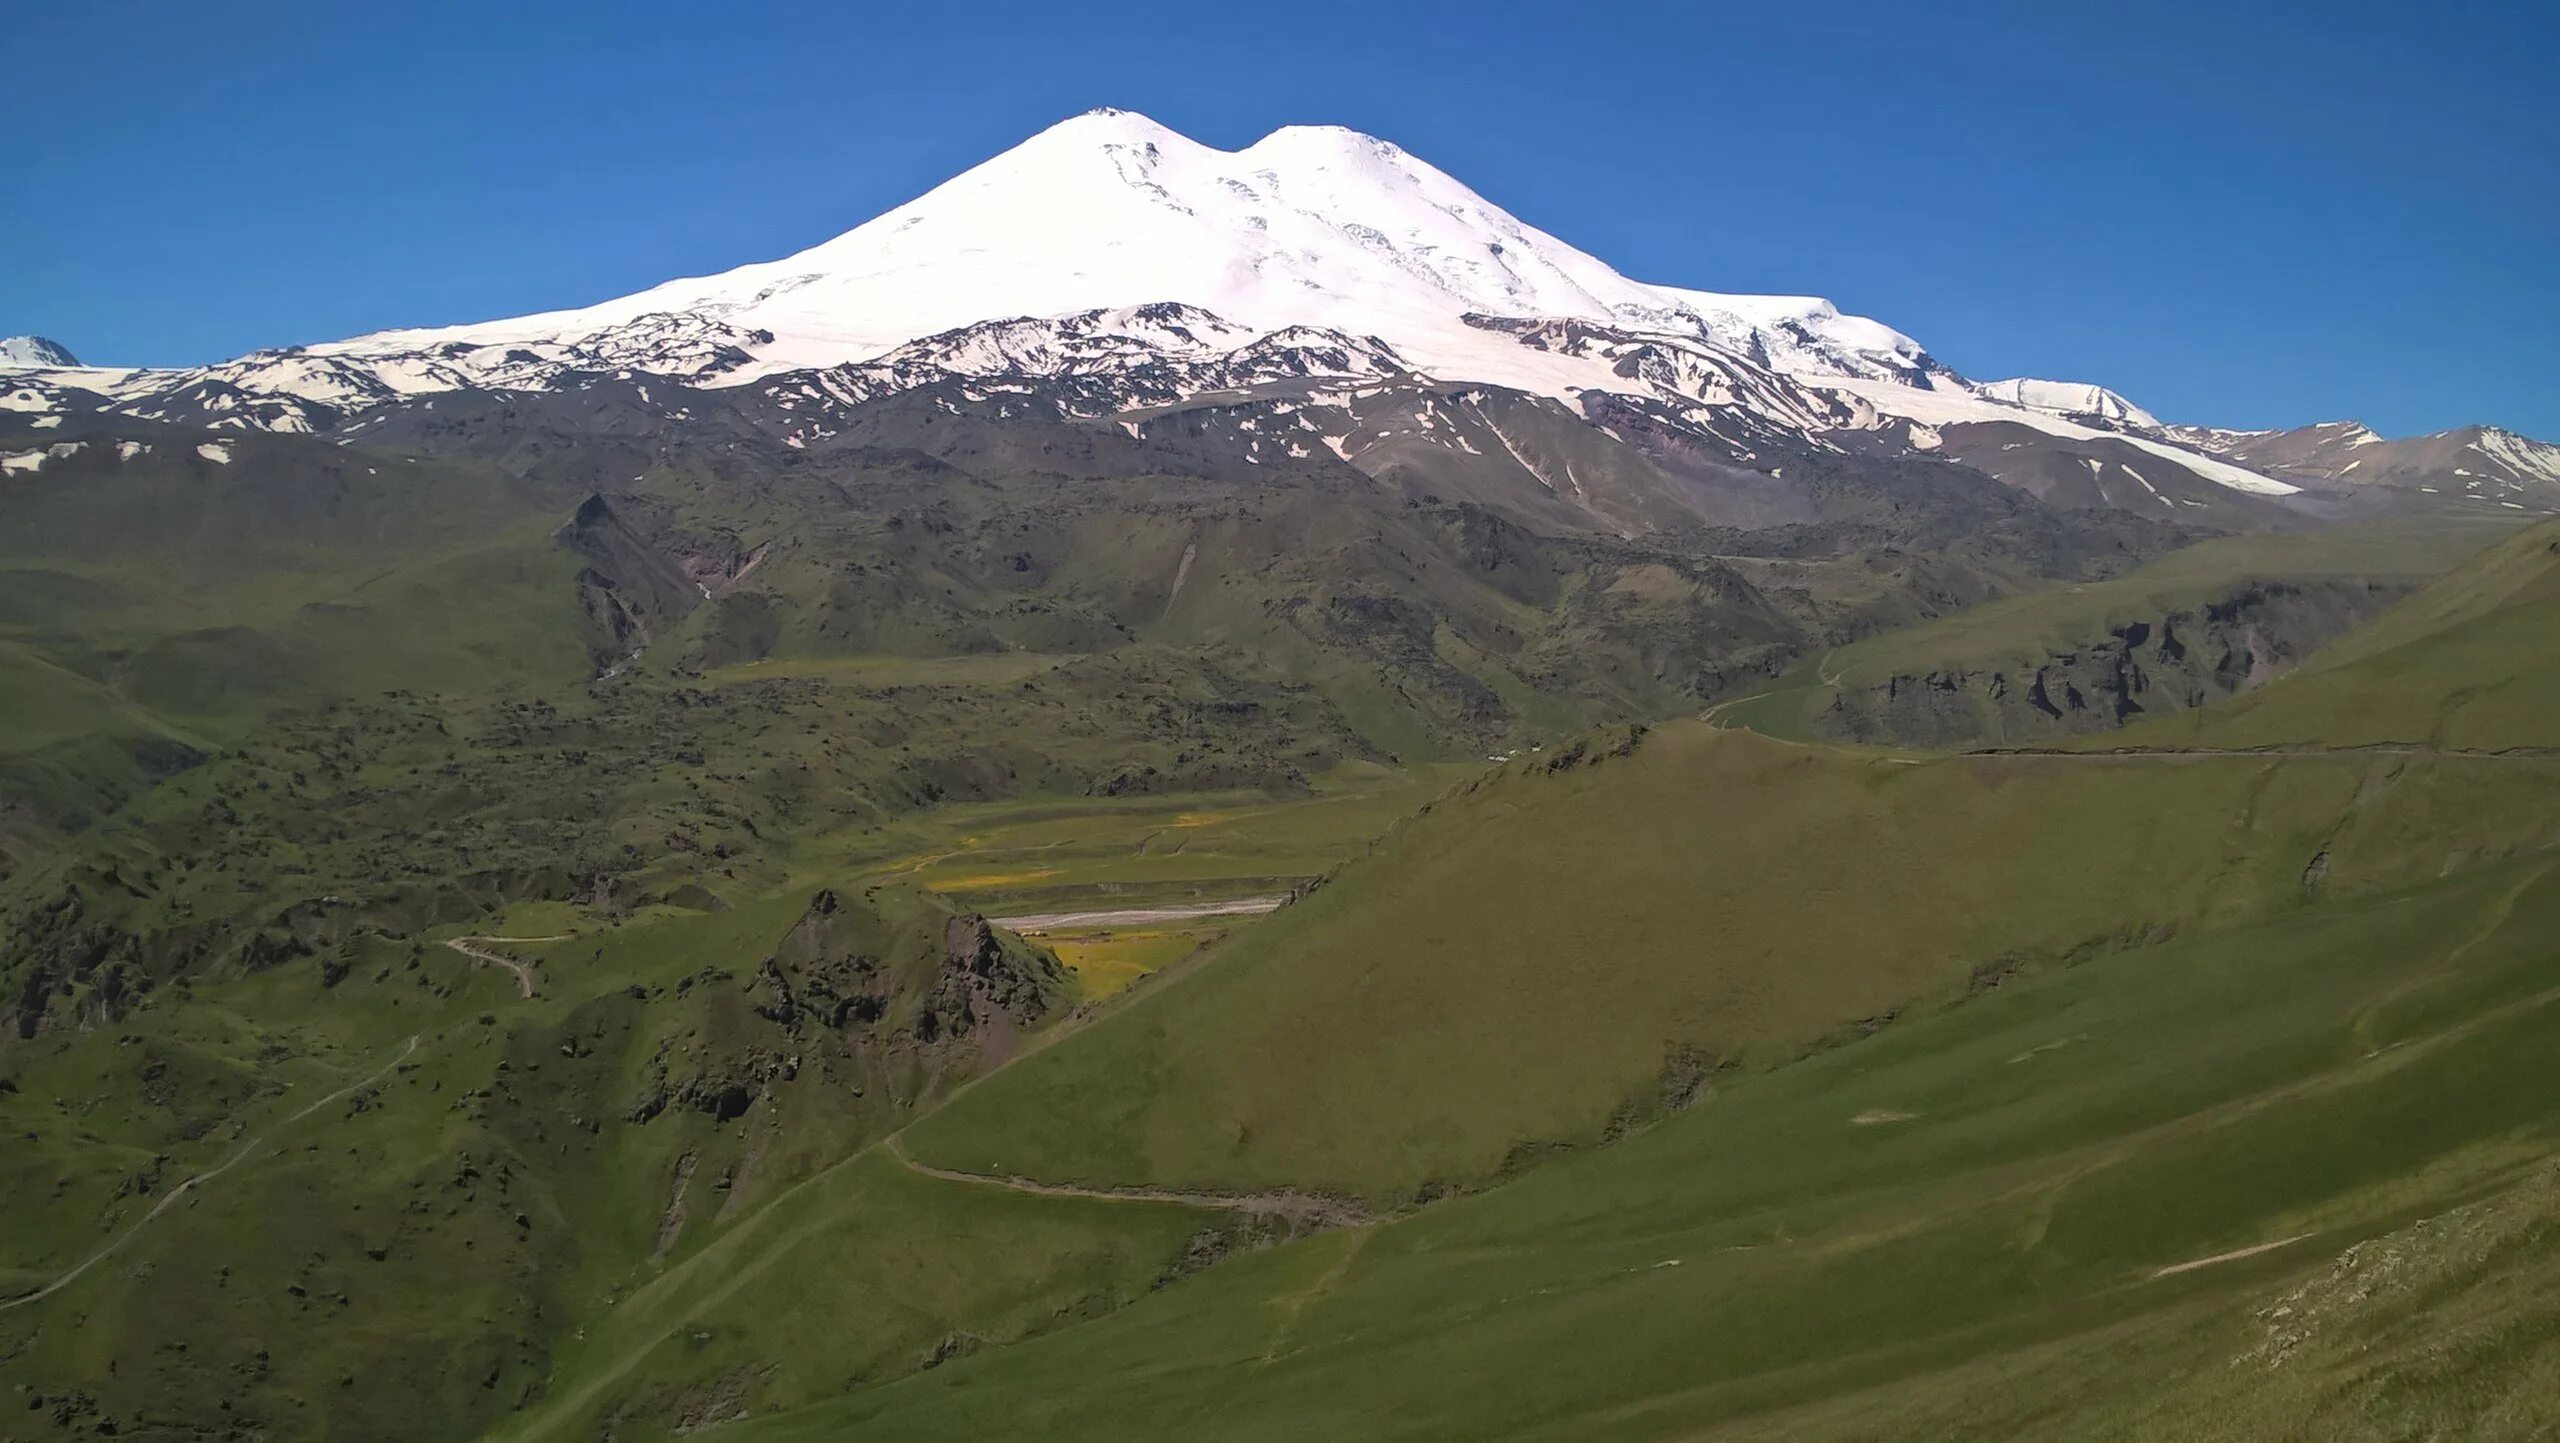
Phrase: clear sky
x=2238 y=214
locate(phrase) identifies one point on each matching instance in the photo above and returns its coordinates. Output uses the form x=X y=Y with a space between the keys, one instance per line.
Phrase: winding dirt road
x=245 y=1151
x=468 y=947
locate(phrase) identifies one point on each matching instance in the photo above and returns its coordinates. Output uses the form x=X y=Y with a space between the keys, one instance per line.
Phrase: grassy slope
x=211 y=593
x=2024 y=631
x=497 y=1201
x=162 y=605
x=1962 y=1215
x=2462 y=664
x=2042 y=622
x=1976 y=1221
x=847 y=1238
x=586 y=1307
x=1053 y=854
x=1462 y=997
x=71 y=750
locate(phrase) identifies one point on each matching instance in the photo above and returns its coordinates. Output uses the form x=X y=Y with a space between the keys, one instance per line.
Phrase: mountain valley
x=1178 y=793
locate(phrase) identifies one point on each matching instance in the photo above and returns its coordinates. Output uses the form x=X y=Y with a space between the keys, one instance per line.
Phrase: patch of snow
x=218 y=452
x=30 y=461
x=1516 y=456
x=1944 y=408
x=2067 y=398
x=2521 y=454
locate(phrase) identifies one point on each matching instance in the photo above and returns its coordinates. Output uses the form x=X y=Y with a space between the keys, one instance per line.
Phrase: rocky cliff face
x=2166 y=663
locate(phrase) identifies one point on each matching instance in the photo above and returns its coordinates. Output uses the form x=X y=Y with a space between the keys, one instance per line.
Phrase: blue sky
x=2236 y=214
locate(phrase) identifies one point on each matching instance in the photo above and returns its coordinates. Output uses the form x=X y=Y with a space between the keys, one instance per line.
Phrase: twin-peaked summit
x=1123 y=266
x=1314 y=226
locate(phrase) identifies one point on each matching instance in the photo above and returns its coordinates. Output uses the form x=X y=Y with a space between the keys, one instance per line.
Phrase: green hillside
x=2029 y=1215
x=487 y=957
x=2464 y=664
x=159 y=605
x=2270 y=1159
x=2201 y=623
x=1708 y=901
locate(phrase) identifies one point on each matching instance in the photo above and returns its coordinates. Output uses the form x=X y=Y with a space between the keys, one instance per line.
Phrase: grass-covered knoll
x=1586 y=937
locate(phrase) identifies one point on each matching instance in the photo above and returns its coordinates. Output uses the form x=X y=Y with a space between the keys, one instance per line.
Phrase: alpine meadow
x=1191 y=793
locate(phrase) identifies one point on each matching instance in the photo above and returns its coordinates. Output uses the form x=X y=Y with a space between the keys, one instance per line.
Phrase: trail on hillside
x=1711 y=715
x=1141 y=916
x=468 y=947
x=2233 y=1256
x=243 y=1154
x=2378 y=749
x=1306 y=1207
x=1321 y=1212
x=1181 y=574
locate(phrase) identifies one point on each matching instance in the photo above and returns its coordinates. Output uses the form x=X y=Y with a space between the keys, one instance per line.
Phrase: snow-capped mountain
x=1312 y=229
x=1312 y=226
x=34 y=351
x=2484 y=463
x=1124 y=266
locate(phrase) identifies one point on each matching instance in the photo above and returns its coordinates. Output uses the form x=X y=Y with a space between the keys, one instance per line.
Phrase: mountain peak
x=1106 y=125
x=1317 y=226
x=1326 y=137
x=35 y=351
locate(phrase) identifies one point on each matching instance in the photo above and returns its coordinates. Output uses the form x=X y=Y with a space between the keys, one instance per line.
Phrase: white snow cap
x=34 y=351
x=1313 y=225
x=2067 y=398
